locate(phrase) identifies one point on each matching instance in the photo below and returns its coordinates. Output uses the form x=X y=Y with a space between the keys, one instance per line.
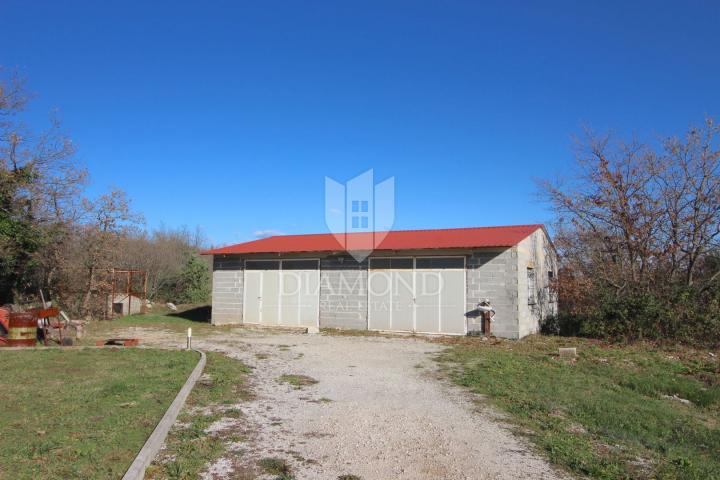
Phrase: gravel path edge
x=154 y=443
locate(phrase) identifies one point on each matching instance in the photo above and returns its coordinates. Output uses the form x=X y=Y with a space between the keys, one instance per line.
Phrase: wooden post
x=144 y=295
x=486 y=323
x=129 y=292
x=111 y=312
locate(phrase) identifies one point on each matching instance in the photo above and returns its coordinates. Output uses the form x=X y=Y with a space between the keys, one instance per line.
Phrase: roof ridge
x=305 y=235
x=452 y=228
x=538 y=225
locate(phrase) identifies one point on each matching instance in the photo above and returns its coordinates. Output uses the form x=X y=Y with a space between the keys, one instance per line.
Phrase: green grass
x=603 y=415
x=161 y=319
x=189 y=448
x=297 y=381
x=83 y=413
x=274 y=466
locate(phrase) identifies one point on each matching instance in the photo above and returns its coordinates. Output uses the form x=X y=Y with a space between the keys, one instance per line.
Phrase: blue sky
x=229 y=115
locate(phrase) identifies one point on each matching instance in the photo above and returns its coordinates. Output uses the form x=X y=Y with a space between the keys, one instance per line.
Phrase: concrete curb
x=153 y=444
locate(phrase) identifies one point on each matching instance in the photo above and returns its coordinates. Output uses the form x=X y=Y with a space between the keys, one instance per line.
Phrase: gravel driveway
x=379 y=410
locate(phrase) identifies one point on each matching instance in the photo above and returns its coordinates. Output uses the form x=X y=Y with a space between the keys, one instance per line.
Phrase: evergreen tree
x=194 y=281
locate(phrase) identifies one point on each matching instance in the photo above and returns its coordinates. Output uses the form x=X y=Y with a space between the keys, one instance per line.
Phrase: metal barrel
x=4 y=320
x=23 y=330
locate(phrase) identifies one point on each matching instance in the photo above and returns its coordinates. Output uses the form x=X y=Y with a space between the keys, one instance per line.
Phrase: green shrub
x=564 y=325
x=194 y=284
x=684 y=316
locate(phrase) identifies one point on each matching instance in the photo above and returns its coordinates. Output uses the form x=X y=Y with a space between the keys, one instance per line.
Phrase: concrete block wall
x=493 y=275
x=343 y=293
x=227 y=290
x=536 y=253
x=527 y=257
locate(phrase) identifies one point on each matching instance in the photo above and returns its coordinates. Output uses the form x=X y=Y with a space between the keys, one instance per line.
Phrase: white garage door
x=282 y=292
x=421 y=294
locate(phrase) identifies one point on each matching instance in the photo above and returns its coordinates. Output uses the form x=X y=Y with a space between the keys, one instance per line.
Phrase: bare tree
x=53 y=237
x=639 y=220
x=111 y=219
x=689 y=185
x=162 y=254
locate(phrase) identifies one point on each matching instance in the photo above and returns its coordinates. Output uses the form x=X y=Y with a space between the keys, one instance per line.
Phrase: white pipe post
x=189 y=338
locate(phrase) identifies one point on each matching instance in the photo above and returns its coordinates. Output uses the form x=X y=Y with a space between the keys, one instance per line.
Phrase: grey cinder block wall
x=537 y=264
x=493 y=275
x=502 y=274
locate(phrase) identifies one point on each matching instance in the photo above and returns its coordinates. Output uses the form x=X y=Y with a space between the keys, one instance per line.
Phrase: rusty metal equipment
x=22 y=331
x=4 y=326
x=486 y=323
x=487 y=312
x=131 y=279
x=49 y=321
x=480 y=319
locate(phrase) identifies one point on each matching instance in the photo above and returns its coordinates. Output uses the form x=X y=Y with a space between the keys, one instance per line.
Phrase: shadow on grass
x=197 y=314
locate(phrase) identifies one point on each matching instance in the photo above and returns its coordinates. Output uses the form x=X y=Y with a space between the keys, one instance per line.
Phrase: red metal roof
x=394 y=240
